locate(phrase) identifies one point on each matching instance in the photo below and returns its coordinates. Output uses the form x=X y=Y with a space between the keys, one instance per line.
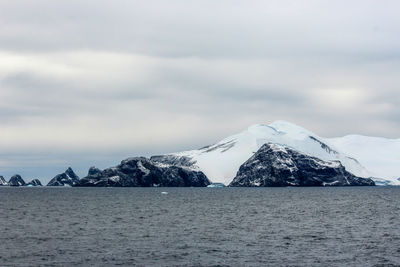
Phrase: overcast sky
x=87 y=83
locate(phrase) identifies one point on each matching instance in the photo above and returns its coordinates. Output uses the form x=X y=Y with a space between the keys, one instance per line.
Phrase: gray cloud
x=91 y=82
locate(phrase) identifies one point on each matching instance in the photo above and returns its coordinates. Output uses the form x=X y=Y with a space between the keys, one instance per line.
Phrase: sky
x=89 y=83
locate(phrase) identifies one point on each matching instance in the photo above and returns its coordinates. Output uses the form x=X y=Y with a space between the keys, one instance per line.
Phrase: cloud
x=90 y=82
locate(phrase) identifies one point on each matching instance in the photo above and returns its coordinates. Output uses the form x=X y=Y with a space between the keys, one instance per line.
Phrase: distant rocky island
x=271 y=165
x=143 y=172
x=279 y=154
x=132 y=172
x=16 y=180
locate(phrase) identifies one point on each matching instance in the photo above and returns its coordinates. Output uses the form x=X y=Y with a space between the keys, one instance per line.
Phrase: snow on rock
x=34 y=182
x=144 y=172
x=3 y=181
x=221 y=161
x=16 y=180
x=279 y=165
x=68 y=178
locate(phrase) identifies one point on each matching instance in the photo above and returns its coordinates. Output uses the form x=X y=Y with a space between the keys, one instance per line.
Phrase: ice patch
x=114 y=178
x=142 y=168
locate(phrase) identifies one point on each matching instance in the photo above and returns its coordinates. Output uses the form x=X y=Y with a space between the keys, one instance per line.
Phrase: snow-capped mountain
x=221 y=161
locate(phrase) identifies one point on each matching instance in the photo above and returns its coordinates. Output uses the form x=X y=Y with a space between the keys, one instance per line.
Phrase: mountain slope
x=221 y=161
x=381 y=156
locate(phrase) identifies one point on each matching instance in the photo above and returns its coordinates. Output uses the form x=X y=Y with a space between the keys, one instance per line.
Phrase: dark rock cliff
x=143 y=172
x=277 y=165
x=16 y=180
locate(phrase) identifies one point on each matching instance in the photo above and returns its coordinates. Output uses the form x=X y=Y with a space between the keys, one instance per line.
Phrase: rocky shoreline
x=272 y=165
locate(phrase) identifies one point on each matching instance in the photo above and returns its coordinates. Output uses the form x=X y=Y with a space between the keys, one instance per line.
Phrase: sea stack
x=16 y=180
x=67 y=178
x=34 y=182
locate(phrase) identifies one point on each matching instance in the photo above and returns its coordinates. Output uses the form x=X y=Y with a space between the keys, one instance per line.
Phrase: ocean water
x=353 y=226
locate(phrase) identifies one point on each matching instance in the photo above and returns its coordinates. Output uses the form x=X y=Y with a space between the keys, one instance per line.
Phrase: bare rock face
x=68 y=178
x=277 y=165
x=16 y=180
x=34 y=182
x=143 y=172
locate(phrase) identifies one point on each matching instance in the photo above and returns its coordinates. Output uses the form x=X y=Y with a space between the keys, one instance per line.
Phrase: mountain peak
x=279 y=128
x=289 y=128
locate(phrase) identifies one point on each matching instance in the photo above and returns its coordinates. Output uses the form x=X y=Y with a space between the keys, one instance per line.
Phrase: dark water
x=200 y=226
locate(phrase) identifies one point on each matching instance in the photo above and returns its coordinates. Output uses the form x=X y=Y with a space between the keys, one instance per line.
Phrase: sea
x=291 y=226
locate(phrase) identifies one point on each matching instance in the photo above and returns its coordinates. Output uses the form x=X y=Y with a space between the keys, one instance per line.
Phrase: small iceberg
x=164 y=193
x=381 y=182
x=214 y=185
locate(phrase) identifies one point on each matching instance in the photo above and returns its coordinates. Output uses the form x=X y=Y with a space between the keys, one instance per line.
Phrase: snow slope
x=380 y=156
x=221 y=161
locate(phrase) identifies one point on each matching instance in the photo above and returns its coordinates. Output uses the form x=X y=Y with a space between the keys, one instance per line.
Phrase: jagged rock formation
x=68 y=178
x=16 y=180
x=3 y=181
x=34 y=182
x=277 y=165
x=143 y=172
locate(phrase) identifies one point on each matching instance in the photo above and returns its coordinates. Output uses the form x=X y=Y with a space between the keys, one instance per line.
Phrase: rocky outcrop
x=277 y=165
x=16 y=180
x=68 y=178
x=93 y=171
x=34 y=182
x=143 y=172
x=180 y=161
x=3 y=181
